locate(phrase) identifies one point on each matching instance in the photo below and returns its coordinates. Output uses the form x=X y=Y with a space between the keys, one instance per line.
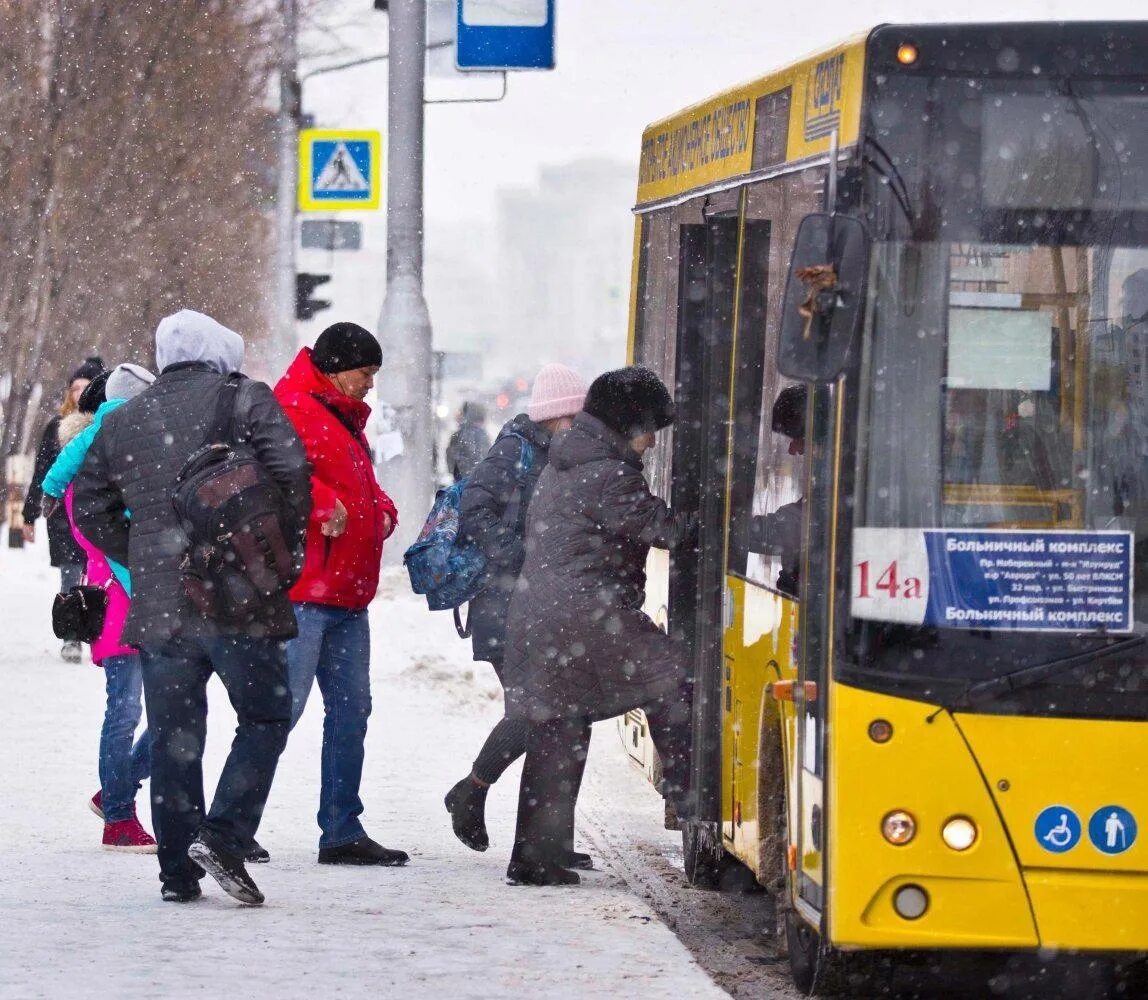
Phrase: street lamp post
x=283 y=339
x=404 y=324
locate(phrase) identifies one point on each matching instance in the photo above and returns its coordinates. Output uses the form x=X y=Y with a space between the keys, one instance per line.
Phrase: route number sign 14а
x=339 y=170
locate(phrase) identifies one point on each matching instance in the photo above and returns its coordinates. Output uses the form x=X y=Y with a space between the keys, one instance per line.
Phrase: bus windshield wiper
x=892 y=175
x=1028 y=676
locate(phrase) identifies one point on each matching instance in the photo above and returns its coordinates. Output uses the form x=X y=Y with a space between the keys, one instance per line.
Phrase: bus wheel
x=804 y=946
x=703 y=853
x=819 y=970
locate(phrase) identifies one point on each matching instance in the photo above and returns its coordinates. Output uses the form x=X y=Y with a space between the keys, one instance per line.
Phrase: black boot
x=539 y=873
x=226 y=868
x=363 y=851
x=466 y=803
x=257 y=854
x=576 y=859
x=180 y=892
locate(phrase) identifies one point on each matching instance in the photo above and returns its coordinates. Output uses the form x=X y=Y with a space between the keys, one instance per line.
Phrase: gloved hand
x=48 y=506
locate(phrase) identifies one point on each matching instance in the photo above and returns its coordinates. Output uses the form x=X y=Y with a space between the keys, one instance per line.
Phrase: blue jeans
x=334 y=648
x=175 y=676
x=122 y=766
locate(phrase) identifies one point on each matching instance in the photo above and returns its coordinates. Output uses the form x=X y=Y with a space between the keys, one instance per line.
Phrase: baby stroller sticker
x=1057 y=829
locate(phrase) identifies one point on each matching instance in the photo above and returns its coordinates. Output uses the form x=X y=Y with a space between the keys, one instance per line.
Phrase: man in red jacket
x=351 y=517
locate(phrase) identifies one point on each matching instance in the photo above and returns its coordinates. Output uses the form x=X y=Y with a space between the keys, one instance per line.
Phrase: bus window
x=655 y=334
x=769 y=464
x=1031 y=388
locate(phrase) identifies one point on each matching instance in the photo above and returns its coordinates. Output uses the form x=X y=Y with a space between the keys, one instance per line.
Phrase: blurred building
x=563 y=266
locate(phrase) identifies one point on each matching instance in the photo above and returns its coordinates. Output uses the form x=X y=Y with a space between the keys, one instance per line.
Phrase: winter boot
x=576 y=859
x=128 y=836
x=466 y=803
x=180 y=892
x=258 y=854
x=71 y=652
x=226 y=868
x=539 y=873
x=96 y=803
x=363 y=851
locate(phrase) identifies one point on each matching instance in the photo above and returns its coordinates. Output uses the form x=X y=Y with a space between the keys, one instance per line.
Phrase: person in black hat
x=63 y=550
x=579 y=647
x=323 y=395
x=778 y=534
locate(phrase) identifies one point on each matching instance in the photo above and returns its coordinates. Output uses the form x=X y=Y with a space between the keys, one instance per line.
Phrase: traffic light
x=381 y=4
x=305 y=285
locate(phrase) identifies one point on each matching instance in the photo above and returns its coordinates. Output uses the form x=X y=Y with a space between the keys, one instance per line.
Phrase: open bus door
x=708 y=268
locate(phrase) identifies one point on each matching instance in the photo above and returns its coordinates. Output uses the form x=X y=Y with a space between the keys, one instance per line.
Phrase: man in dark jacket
x=493 y=508
x=132 y=466
x=468 y=443
x=64 y=551
x=579 y=647
x=322 y=394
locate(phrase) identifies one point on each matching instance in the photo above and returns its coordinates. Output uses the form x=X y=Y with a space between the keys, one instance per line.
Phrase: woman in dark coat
x=493 y=508
x=63 y=550
x=579 y=647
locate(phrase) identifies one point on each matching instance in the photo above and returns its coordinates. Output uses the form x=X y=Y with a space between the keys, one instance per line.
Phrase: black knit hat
x=89 y=369
x=631 y=401
x=344 y=346
x=95 y=392
x=788 y=415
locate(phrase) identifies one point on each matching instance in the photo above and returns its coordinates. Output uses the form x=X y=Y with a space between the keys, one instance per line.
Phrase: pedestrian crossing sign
x=339 y=170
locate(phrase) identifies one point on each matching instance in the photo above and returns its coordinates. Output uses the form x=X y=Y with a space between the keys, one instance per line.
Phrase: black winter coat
x=465 y=449
x=578 y=643
x=63 y=549
x=493 y=509
x=132 y=465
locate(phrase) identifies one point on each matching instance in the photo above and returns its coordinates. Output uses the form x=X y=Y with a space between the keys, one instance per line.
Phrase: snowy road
x=80 y=922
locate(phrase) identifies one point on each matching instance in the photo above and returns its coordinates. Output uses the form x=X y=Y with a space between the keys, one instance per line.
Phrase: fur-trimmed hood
x=71 y=425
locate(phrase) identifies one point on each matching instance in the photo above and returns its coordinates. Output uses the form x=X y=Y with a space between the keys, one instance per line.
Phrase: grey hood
x=191 y=336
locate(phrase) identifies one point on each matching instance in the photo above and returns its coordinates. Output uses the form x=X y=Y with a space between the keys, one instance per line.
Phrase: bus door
x=707 y=273
x=771 y=773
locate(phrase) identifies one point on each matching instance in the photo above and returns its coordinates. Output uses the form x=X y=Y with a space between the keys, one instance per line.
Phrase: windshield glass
x=1003 y=457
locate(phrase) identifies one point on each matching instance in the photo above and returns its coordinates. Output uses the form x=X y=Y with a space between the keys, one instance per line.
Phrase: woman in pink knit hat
x=494 y=506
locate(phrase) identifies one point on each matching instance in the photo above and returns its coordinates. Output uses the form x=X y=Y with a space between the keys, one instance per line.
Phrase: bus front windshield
x=1004 y=412
x=1000 y=523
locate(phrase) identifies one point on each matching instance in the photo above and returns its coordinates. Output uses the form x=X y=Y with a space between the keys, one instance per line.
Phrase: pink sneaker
x=96 y=804
x=127 y=835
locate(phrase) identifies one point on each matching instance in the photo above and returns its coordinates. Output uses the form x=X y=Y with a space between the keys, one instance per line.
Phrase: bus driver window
x=775 y=528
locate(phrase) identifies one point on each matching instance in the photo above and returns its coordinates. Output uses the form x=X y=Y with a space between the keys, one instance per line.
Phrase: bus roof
x=754 y=126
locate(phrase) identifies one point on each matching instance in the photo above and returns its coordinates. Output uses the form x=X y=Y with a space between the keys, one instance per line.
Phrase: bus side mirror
x=824 y=297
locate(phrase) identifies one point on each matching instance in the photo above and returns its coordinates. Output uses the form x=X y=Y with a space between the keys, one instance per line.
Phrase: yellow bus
x=901 y=290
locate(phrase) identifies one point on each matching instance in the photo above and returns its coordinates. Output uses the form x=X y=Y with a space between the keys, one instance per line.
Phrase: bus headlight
x=959 y=833
x=899 y=827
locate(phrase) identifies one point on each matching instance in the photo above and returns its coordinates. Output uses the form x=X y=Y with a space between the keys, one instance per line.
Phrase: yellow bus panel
x=976 y=897
x=713 y=141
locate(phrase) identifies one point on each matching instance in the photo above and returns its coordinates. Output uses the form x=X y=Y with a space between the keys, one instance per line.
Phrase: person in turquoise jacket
x=124 y=382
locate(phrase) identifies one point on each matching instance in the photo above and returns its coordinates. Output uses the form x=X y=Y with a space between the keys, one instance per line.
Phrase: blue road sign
x=1057 y=829
x=505 y=34
x=339 y=169
x=1112 y=829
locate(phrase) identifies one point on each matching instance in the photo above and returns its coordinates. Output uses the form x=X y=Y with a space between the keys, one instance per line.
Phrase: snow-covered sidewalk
x=76 y=921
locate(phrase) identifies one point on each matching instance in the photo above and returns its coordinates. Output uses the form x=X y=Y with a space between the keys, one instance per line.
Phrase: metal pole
x=404 y=325
x=282 y=347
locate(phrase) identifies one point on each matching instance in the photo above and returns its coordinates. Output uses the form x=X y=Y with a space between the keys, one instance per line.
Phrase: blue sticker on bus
x=1057 y=829
x=1064 y=581
x=1112 y=829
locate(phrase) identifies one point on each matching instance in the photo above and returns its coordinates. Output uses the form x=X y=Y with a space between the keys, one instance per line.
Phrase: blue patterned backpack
x=446 y=569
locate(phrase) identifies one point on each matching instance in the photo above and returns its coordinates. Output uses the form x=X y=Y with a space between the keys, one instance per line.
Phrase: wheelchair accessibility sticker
x=1112 y=829
x=1057 y=829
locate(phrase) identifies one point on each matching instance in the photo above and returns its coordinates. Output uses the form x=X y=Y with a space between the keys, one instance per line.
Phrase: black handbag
x=78 y=614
